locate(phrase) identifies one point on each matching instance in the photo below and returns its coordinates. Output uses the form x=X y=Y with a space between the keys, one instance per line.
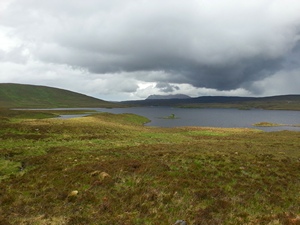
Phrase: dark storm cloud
x=232 y=76
x=292 y=60
x=221 y=45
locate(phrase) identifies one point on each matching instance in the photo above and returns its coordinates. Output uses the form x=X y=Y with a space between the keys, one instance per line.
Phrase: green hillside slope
x=31 y=96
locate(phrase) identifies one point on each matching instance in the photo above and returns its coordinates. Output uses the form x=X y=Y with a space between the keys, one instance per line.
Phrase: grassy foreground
x=109 y=169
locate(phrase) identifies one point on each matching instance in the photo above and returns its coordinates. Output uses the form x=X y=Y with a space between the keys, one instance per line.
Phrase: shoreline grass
x=269 y=124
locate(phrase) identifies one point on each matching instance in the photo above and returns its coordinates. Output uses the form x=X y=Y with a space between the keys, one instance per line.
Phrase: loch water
x=213 y=117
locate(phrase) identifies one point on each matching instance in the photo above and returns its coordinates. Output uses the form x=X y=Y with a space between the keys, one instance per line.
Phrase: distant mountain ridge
x=282 y=102
x=33 y=96
x=176 y=96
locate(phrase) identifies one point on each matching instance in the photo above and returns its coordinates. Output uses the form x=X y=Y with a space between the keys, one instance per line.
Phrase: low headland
x=269 y=124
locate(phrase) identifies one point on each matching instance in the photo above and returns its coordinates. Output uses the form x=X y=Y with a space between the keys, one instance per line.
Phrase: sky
x=129 y=49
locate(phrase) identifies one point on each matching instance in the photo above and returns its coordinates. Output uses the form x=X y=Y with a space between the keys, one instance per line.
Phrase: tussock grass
x=125 y=173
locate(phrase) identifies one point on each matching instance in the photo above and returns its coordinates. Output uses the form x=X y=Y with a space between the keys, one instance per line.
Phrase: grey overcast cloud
x=130 y=49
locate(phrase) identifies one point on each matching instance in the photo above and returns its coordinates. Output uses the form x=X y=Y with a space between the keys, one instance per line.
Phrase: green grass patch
x=207 y=133
x=8 y=168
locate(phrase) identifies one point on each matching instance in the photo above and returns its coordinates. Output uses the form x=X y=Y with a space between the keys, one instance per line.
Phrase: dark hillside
x=181 y=102
x=31 y=96
x=177 y=96
x=283 y=102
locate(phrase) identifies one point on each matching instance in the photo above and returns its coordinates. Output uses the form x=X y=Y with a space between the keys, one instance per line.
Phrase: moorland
x=111 y=169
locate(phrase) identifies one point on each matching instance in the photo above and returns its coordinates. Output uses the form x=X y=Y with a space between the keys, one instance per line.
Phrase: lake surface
x=213 y=117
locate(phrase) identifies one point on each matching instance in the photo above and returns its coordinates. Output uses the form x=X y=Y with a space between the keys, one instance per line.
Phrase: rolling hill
x=282 y=102
x=32 y=96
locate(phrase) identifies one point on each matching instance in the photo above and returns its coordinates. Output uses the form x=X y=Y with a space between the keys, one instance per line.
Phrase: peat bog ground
x=110 y=169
